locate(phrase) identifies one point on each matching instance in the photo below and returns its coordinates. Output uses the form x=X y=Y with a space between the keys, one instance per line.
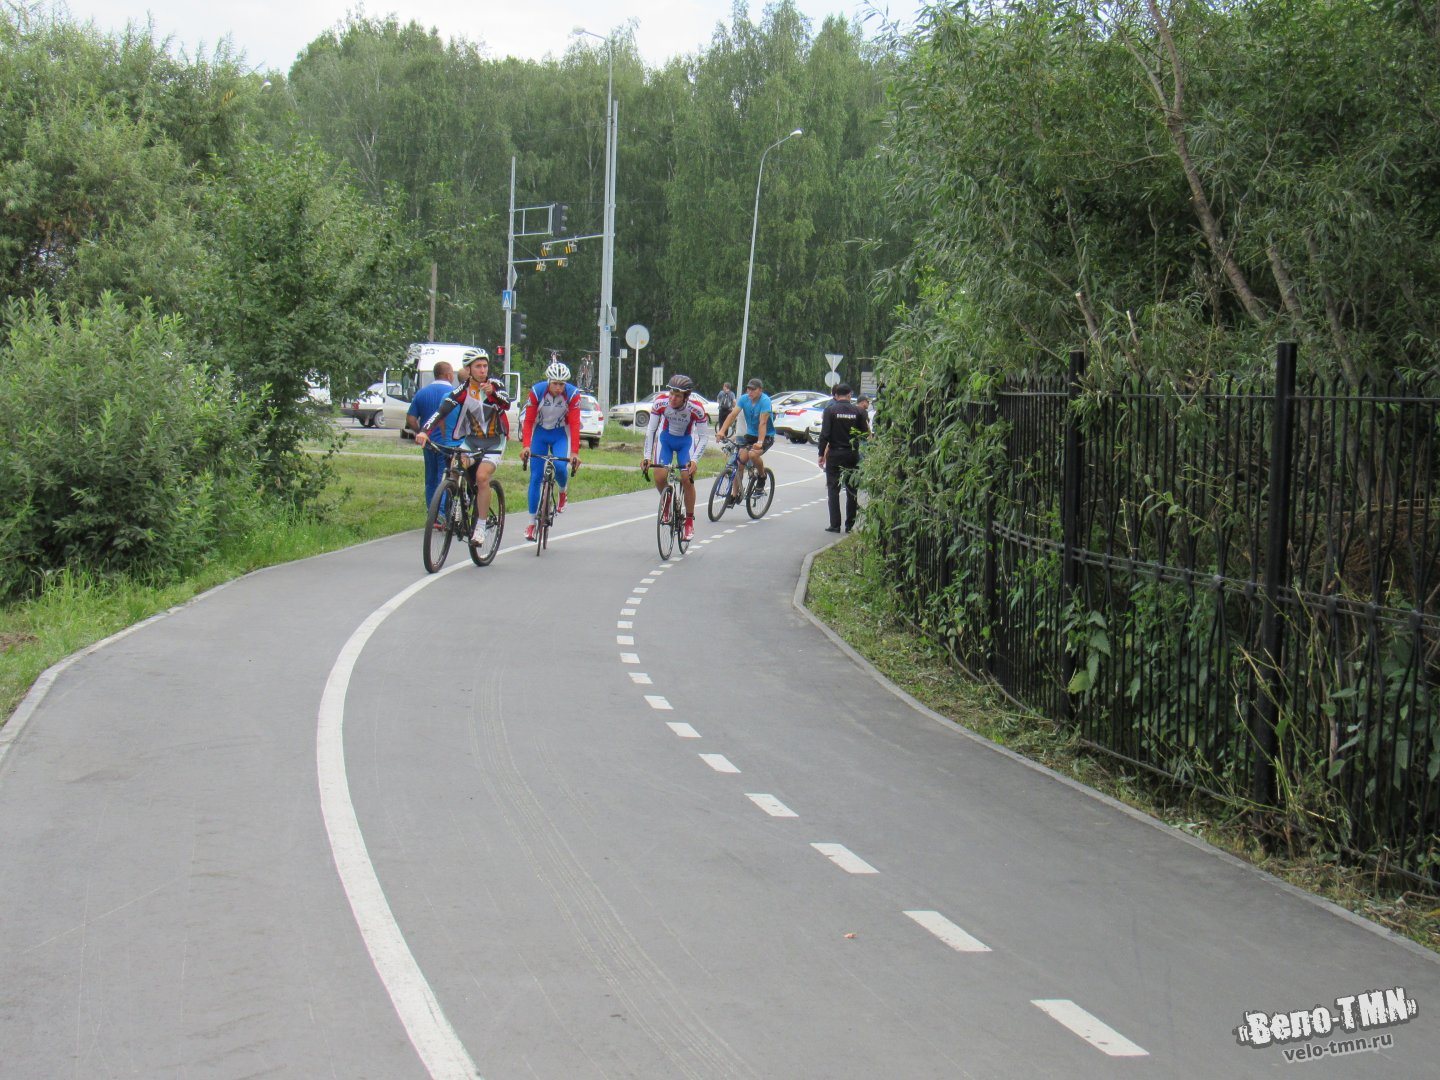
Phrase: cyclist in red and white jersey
x=678 y=432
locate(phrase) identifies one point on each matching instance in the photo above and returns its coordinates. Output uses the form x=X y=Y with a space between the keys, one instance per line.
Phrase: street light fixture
x=750 y=274
x=607 y=254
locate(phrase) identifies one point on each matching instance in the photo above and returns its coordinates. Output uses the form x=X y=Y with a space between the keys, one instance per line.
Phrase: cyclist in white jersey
x=679 y=429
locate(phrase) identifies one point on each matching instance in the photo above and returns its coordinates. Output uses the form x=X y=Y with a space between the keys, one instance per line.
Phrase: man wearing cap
x=842 y=426
x=759 y=430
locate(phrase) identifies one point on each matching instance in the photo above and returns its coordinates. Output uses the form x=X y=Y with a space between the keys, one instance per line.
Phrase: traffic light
x=500 y=352
x=561 y=210
x=519 y=328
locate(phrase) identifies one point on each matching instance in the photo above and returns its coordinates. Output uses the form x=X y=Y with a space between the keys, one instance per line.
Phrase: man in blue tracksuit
x=422 y=407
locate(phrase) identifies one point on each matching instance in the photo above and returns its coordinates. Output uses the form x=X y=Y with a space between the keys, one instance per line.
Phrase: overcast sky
x=271 y=33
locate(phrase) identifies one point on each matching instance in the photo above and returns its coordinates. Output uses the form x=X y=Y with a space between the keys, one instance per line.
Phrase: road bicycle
x=722 y=492
x=547 y=506
x=670 y=518
x=452 y=512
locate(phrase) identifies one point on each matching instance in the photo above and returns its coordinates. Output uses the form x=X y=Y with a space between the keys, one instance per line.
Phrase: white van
x=418 y=370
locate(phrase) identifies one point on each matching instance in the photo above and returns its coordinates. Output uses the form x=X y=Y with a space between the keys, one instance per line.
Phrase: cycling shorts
x=491 y=450
x=673 y=447
x=751 y=440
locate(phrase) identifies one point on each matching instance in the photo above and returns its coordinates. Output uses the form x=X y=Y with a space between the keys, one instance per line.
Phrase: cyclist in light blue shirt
x=759 y=429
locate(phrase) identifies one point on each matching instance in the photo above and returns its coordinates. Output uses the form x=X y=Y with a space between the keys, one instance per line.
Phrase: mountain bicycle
x=722 y=492
x=670 y=518
x=452 y=513
x=547 y=506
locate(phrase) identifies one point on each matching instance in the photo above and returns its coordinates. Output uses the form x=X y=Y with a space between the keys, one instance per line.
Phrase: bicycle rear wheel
x=664 y=529
x=756 y=503
x=720 y=494
x=437 y=539
x=542 y=523
x=484 y=556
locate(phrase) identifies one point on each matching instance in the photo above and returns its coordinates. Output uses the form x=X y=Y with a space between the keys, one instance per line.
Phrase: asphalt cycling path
x=598 y=815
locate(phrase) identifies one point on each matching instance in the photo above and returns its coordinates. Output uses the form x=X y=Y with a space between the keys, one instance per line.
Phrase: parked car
x=786 y=398
x=383 y=404
x=800 y=422
x=592 y=421
x=638 y=413
x=625 y=413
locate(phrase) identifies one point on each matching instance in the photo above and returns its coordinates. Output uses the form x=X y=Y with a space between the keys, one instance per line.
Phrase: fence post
x=1070 y=524
x=1277 y=578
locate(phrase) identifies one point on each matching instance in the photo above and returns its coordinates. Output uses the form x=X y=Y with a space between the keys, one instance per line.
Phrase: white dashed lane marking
x=947 y=931
x=633 y=600
x=719 y=762
x=629 y=658
x=627 y=611
x=844 y=858
x=624 y=639
x=638 y=591
x=640 y=678
x=655 y=701
x=685 y=731
x=1096 y=1032
x=647 y=581
x=772 y=806
x=624 y=624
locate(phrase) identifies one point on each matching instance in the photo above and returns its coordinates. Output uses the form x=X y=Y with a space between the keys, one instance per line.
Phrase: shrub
x=121 y=455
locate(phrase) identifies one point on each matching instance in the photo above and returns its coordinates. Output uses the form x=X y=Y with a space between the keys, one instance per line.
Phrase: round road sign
x=831 y=378
x=637 y=337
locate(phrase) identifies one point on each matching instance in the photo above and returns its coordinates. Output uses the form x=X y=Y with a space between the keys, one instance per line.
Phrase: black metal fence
x=1233 y=585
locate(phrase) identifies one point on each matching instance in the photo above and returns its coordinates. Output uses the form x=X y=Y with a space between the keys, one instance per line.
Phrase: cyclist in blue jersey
x=551 y=425
x=679 y=429
x=759 y=431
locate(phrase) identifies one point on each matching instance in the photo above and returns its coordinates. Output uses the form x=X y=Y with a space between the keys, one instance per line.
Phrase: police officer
x=842 y=425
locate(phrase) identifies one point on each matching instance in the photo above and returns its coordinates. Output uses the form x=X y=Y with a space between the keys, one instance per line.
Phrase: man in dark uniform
x=842 y=426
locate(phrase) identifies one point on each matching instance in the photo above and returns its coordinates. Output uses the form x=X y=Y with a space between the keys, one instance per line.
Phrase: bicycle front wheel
x=677 y=522
x=720 y=494
x=757 y=502
x=436 y=544
x=664 y=529
x=547 y=512
x=484 y=556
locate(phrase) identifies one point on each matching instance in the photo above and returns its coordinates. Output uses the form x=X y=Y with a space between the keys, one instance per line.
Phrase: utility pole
x=434 y=287
x=607 y=269
x=508 y=300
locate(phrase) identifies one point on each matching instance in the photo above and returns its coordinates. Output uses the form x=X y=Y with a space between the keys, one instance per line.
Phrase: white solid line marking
x=655 y=701
x=640 y=677
x=719 y=762
x=1098 y=1034
x=624 y=639
x=844 y=858
x=624 y=624
x=771 y=805
x=629 y=658
x=947 y=931
x=685 y=731
x=440 y=1049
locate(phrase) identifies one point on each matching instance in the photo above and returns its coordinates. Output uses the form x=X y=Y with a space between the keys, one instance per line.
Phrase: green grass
x=845 y=591
x=370 y=497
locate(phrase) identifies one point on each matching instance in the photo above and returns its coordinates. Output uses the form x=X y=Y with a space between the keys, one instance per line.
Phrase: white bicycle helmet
x=471 y=355
x=557 y=372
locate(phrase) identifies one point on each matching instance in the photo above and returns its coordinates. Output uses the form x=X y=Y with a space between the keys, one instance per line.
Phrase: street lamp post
x=750 y=274
x=607 y=257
